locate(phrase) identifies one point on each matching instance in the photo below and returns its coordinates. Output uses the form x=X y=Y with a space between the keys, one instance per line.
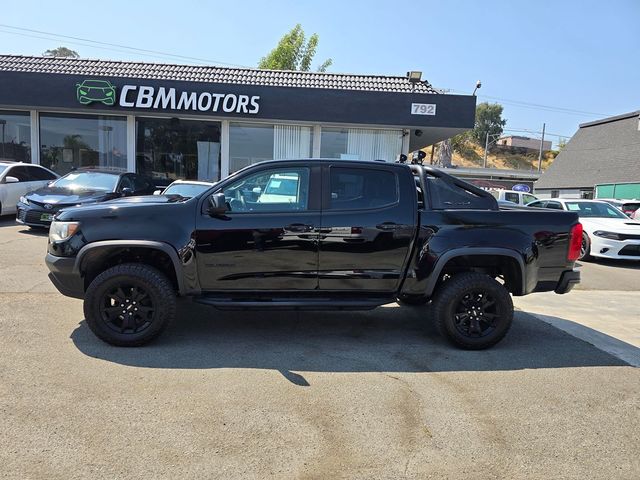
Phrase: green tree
x=61 y=52
x=562 y=142
x=488 y=121
x=294 y=52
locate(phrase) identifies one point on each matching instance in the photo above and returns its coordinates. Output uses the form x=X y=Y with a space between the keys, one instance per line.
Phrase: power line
x=95 y=44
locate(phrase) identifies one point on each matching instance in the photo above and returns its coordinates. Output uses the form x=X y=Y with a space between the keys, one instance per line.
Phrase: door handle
x=387 y=226
x=298 y=228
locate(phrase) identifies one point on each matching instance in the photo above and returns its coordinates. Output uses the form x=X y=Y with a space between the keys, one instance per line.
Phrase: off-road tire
x=159 y=301
x=447 y=304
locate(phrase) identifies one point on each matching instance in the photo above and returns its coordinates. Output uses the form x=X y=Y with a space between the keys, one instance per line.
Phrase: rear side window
x=140 y=183
x=512 y=197
x=554 y=205
x=21 y=173
x=358 y=188
x=445 y=195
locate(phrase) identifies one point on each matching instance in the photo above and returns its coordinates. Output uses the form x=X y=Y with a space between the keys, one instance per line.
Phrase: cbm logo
x=91 y=91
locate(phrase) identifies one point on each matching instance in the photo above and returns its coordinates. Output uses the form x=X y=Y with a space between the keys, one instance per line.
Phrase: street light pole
x=486 y=146
x=541 y=145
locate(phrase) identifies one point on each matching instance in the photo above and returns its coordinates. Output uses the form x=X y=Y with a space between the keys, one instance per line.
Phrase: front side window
x=15 y=136
x=511 y=197
x=68 y=142
x=38 y=173
x=357 y=188
x=277 y=190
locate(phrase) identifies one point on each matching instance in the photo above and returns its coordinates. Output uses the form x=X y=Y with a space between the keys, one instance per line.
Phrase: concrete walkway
x=609 y=320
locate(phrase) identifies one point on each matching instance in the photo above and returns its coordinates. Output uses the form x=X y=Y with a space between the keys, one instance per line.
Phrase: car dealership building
x=205 y=122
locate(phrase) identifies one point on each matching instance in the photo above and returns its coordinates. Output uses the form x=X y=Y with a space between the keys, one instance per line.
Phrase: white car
x=185 y=188
x=18 y=179
x=520 y=198
x=608 y=233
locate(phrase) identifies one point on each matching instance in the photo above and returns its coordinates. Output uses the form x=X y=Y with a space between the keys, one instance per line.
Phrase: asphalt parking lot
x=342 y=395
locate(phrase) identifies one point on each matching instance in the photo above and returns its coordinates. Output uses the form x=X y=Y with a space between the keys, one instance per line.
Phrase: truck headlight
x=605 y=234
x=60 y=231
x=24 y=200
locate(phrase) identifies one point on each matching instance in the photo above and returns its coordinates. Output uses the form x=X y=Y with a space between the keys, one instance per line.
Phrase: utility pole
x=486 y=146
x=541 y=145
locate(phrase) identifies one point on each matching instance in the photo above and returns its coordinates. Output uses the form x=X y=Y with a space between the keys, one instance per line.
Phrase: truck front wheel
x=129 y=305
x=473 y=311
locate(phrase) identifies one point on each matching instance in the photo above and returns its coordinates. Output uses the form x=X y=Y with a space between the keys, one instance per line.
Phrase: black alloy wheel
x=476 y=314
x=585 y=248
x=127 y=309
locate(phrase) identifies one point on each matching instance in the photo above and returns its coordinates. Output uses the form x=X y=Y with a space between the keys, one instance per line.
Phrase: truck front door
x=267 y=239
x=368 y=223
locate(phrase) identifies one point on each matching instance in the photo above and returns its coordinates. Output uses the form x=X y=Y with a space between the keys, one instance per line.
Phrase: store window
x=253 y=143
x=15 y=139
x=172 y=148
x=360 y=144
x=68 y=142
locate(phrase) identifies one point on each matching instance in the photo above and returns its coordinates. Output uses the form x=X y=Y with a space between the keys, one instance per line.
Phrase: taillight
x=575 y=242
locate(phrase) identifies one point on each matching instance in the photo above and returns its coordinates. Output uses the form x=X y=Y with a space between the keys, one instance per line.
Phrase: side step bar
x=222 y=303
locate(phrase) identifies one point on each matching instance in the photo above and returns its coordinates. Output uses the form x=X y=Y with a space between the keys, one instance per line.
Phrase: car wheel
x=585 y=248
x=412 y=299
x=473 y=311
x=129 y=305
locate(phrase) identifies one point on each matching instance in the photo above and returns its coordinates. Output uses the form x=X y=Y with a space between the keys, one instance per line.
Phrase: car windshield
x=185 y=189
x=594 y=209
x=88 y=181
x=2 y=169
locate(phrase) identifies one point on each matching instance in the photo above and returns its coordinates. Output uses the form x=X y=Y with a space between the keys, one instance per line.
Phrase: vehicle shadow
x=627 y=264
x=388 y=339
x=10 y=221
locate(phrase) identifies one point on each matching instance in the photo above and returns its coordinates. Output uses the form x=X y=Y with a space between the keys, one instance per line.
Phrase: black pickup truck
x=313 y=234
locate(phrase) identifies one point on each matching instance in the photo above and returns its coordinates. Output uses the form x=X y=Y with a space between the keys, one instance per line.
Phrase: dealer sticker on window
x=423 y=109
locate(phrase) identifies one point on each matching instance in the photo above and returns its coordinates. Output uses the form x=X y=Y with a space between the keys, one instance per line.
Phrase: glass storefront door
x=15 y=142
x=171 y=148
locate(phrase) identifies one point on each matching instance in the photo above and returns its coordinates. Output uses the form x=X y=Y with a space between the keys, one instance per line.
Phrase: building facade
x=200 y=122
x=518 y=141
x=602 y=159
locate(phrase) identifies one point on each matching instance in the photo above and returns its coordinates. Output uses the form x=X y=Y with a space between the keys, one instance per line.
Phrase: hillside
x=499 y=157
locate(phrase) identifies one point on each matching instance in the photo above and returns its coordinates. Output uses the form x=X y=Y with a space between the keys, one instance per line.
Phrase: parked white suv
x=521 y=198
x=18 y=179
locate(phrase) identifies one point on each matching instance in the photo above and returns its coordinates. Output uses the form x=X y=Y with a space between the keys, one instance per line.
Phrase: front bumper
x=615 y=249
x=33 y=216
x=568 y=280
x=64 y=276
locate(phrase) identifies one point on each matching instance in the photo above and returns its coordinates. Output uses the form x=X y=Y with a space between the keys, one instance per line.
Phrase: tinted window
x=512 y=197
x=357 y=188
x=445 y=195
x=126 y=182
x=275 y=190
x=40 y=174
x=141 y=184
x=554 y=205
x=537 y=204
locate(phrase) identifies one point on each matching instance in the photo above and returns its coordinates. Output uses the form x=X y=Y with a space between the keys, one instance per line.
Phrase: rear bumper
x=568 y=280
x=64 y=276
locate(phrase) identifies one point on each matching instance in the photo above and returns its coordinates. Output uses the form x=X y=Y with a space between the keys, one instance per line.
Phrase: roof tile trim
x=212 y=74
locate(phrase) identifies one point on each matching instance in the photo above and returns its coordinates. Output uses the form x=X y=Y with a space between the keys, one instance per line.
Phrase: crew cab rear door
x=367 y=226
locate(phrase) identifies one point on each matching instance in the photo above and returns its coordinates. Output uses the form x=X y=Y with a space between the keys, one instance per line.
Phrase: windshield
x=2 y=169
x=88 y=181
x=185 y=189
x=594 y=209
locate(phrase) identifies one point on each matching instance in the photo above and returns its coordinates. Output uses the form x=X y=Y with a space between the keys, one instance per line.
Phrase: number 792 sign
x=423 y=109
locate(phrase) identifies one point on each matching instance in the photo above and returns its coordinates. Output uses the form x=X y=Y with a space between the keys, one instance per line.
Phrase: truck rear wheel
x=473 y=311
x=129 y=305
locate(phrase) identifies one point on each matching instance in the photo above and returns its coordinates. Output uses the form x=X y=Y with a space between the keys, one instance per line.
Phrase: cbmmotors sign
x=166 y=98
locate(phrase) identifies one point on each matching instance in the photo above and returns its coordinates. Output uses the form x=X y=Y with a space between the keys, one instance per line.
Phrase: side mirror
x=217 y=204
x=127 y=192
x=9 y=179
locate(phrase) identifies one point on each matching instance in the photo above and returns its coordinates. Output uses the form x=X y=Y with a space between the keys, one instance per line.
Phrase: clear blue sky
x=576 y=55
